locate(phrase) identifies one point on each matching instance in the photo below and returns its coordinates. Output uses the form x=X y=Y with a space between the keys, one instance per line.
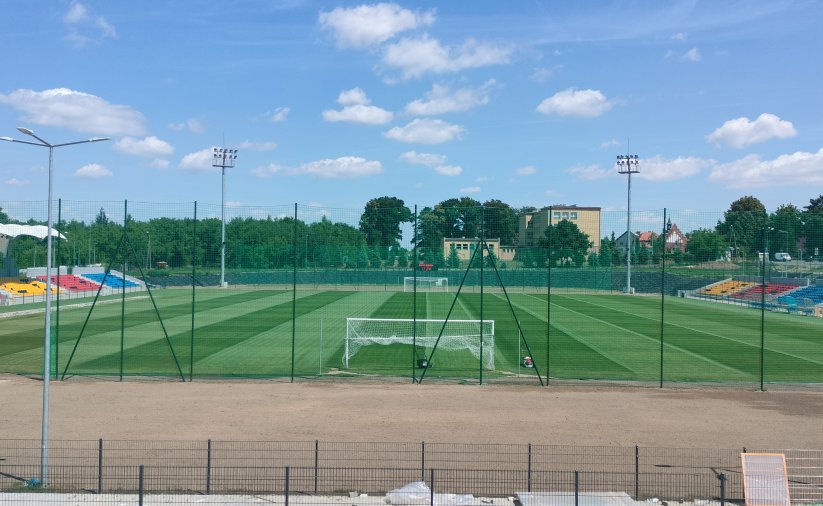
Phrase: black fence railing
x=317 y=468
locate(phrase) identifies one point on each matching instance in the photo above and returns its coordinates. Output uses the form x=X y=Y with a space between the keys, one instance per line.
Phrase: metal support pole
x=577 y=488
x=423 y=460
x=316 y=462
x=100 y=466
x=208 y=468
x=722 y=478
x=628 y=164
x=431 y=485
x=294 y=290
x=636 y=472
x=286 y=487
x=140 y=485
x=529 y=475
x=663 y=290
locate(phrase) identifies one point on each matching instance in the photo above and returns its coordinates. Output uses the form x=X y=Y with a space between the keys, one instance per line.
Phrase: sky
x=330 y=104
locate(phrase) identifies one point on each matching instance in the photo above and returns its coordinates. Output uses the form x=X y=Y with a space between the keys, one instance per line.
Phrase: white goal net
x=457 y=335
x=426 y=284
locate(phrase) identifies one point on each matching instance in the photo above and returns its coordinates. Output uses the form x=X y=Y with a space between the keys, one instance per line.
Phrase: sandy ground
x=356 y=411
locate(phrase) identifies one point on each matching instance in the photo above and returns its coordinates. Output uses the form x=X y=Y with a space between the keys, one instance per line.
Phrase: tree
x=454 y=258
x=744 y=222
x=705 y=245
x=566 y=243
x=381 y=219
x=500 y=221
x=815 y=205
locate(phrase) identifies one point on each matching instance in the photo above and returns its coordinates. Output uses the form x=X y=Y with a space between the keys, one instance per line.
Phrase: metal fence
x=688 y=297
x=97 y=471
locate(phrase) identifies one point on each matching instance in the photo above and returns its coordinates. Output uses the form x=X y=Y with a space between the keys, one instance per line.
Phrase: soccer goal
x=426 y=284
x=457 y=335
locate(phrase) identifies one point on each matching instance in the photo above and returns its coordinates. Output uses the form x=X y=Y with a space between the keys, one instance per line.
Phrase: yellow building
x=465 y=248
x=531 y=227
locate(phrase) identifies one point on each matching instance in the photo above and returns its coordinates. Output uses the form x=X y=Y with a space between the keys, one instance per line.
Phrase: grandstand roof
x=38 y=231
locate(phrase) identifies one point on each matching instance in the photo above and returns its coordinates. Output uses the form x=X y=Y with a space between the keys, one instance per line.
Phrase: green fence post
x=414 y=298
x=294 y=290
x=663 y=290
x=123 y=292
x=193 y=275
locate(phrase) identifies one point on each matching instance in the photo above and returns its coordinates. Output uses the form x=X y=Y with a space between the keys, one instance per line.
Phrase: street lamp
x=44 y=447
x=628 y=164
x=223 y=158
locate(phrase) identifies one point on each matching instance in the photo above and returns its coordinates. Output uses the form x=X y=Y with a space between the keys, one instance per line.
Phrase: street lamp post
x=628 y=164
x=223 y=158
x=44 y=446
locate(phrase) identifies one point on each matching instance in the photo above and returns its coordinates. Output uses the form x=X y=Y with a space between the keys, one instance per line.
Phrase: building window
x=573 y=215
x=557 y=215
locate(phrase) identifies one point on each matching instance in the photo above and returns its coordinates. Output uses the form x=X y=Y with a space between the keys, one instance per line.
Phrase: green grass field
x=248 y=332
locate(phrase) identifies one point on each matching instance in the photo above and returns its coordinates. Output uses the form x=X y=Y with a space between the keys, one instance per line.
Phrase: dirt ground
x=403 y=412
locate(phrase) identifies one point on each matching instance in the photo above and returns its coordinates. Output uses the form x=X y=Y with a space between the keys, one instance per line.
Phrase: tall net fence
x=150 y=289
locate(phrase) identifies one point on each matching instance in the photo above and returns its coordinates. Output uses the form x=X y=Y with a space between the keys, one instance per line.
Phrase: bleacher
x=72 y=283
x=112 y=280
x=30 y=289
x=811 y=295
x=726 y=288
x=756 y=292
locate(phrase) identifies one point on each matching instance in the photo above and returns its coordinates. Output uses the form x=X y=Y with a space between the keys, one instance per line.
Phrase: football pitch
x=248 y=332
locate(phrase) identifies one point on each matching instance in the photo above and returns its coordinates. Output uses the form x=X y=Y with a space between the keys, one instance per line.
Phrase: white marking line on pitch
x=756 y=346
x=624 y=329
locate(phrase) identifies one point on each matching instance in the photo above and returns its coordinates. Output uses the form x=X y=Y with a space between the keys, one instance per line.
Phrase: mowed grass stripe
x=726 y=349
x=573 y=354
x=212 y=338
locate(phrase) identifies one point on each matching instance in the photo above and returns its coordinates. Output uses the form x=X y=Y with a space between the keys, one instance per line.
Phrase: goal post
x=425 y=284
x=457 y=335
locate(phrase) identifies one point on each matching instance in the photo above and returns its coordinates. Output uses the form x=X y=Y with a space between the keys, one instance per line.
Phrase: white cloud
x=679 y=36
x=441 y=99
x=470 y=189
x=278 y=115
x=159 y=163
x=17 y=182
x=345 y=167
x=589 y=172
x=658 y=168
x=149 y=146
x=425 y=131
x=75 y=110
x=427 y=159
x=85 y=28
x=576 y=103
x=192 y=125
x=542 y=74
x=369 y=25
x=482 y=179
x=267 y=170
x=356 y=109
x=742 y=131
x=199 y=161
x=799 y=168
x=92 y=171
x=257 y=146
x=692 y=54
x=416 y=57
x=449 y=170
x=528 y=170
x=609 y=144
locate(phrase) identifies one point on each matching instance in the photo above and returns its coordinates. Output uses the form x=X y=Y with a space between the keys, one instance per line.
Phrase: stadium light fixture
x=44 y=440
x=223 y=158
x=628 y=164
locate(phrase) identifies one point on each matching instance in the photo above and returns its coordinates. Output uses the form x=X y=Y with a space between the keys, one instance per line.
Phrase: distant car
x=782 y=257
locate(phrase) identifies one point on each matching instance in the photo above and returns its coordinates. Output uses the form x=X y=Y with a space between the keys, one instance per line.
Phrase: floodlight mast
x=223 y=158
x=628 y=164
x=44 y=439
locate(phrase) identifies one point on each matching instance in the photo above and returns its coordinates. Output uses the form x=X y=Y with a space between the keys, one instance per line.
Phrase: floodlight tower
x=628 y=164
x=44 y=440
x=223 y=158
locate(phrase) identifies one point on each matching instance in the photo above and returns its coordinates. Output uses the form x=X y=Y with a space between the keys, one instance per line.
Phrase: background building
x=531 y=227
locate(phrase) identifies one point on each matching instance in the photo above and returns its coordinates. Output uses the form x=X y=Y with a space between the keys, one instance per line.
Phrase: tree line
x=386 y=236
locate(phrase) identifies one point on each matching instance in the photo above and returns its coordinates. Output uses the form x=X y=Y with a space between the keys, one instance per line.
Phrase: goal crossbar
x=471 y=335
x=425 y=284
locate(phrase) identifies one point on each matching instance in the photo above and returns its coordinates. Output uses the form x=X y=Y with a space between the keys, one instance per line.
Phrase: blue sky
x=334 y=103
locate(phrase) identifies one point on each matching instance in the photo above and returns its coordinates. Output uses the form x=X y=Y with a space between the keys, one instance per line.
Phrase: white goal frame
x=457 y=335
x=426 y=284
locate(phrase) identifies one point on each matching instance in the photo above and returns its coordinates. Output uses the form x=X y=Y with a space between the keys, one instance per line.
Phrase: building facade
x=531 y=227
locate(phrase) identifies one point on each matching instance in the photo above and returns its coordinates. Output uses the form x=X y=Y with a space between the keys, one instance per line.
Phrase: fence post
x=722 y=479
x=576 y=488
x=636 y=473
x=422 y=460
x=431 y=485
x=140 y=486
x=287 y=487
x=529 y=474
x=100 y=466
x=208 y=468
x=316 y=462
